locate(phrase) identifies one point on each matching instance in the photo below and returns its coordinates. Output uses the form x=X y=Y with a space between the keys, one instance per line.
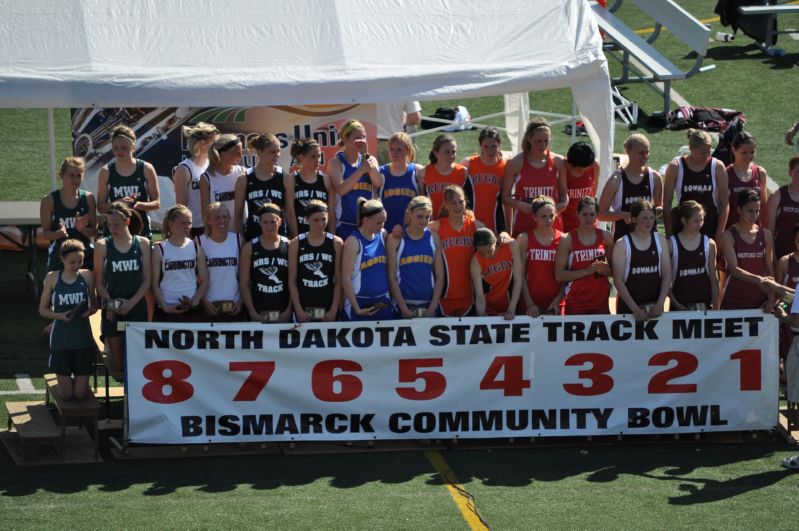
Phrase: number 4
x=513 y=383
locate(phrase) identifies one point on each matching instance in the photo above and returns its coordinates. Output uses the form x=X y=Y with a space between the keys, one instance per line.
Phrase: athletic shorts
x=79 y=361
x=137 y=314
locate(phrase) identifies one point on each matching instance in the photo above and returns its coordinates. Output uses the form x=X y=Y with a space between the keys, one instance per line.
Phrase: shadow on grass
x=749 y=51
x=698 y=469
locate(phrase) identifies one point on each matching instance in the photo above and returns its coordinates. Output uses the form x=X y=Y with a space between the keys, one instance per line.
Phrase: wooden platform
x=86 y=409
x=34 y=426
x=77 y=449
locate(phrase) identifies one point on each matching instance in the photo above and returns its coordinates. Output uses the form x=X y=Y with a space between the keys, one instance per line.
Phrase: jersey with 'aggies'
x=737 y=185
x=435 y=183
x=316 y=269
x=690 y=273
x=457 y=248
x=415 y=268
x=752 y=258
x=540 y=270
x=396 y=193
x=487 y=186
x=347 y=204
x=497 y=278
x=587 y=295
x=627 y=194
x=304 y=192
x=122 y=186
x=269 y=276
x=787 y=217
x=369 y=277
x=577 y=188
x=699 y=186
x=642 y=272
x=259 y=193
x=532 y=182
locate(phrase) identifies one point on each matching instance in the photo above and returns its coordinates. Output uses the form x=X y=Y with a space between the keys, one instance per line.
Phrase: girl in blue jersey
x=364 y=274
x=415 y=265
x=400 y=179
x=354 y=174
x=68 y=298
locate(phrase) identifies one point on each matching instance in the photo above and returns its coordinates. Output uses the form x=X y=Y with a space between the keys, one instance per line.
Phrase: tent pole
x=51 y=137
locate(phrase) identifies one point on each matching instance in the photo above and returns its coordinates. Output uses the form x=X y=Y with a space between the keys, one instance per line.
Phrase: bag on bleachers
x=707 y=118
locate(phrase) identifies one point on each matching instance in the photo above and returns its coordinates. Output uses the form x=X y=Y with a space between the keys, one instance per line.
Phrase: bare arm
x=45 y=308
x=46 y=220
x=563 y=187
x=288 y=203
x=438 y=271
x=512 y=169
x=153 y=192
x=665 y=278
x=331 y=204
x=772 y=205
x=392 y=246
x=763 y=196
x=245 y=260
x=518 y=280
x=606 y=201
x=102 y=190
x=722 y=198
x=713 y=275
x=205 y=196
x=294 y=292
x=146 y=275
x=203 y=276
x=669 y=182
x=477 y=285
x=657 y=193
x=239 y=200
x=522 y=242
x=181 y=178
x=331 y=314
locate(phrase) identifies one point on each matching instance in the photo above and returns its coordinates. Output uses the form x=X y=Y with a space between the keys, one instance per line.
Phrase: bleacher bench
x=771 y=11
x=665 y=13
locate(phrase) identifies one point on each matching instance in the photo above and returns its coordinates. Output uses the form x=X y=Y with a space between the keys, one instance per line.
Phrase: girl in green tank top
x=127 y=179
x=122 y=276
x=68 y=298
x=69 y=212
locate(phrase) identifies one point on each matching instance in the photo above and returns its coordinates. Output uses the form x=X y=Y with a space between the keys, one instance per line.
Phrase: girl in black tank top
x=310 y=184
x=695 y=285
x=641 y=272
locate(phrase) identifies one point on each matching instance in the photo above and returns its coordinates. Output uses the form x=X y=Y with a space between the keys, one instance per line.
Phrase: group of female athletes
x=370 y=242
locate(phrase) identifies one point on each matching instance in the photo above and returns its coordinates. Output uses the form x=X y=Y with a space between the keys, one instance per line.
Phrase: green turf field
x=659 y=485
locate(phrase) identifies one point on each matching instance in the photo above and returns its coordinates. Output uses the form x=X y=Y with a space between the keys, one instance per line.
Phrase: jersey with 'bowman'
x=699 y=186
x=642 y=274
x=690 y=272
x=627 y=194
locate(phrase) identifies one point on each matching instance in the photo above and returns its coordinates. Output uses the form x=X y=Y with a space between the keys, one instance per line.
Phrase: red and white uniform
x=587 y=295
x=577 y=188
x=532 y=182
x=540 y=270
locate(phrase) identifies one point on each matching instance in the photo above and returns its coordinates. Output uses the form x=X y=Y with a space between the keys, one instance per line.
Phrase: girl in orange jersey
x=543 y=293
x=443 y=172
x=582 y=263
x=455 y=228
x=497 y=276
x=485 y=173
x=533 y=172
x=582 y=178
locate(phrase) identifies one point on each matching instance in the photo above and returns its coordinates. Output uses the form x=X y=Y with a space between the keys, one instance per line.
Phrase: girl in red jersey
x=543 y=292
x=641 y=266
x=582 y=178
x=783 y=211
x=629 y=183
x=443 y=172
x=581 y=262
x=485 y=172
x=744 y=174
x=535 y=171
x=496 y=272
x=700 y=177
x=694 y=283
x=455 y=228
x=749 y=252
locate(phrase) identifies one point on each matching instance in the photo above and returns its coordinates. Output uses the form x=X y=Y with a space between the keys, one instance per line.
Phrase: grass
x=650 y=486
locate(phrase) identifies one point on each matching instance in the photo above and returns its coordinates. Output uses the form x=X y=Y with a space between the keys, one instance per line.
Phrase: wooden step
x=113 y=392
x=88 y=407
x=33 y=422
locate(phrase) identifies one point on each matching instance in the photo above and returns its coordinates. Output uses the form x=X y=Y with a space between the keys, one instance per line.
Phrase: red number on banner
x=513 y=383
x=323 y=381
x=434 y=382
x=601 y=383
x=686 y=364
x=260 y=372
x=180 y=389
x=750 y=368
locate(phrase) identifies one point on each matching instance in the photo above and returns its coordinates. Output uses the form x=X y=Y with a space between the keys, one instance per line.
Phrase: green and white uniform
x=136 y=183
x=123 y=275
x=71 y=343
x=67 y=217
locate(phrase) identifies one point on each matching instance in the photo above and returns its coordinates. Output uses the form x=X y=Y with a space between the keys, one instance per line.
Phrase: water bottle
x=724 y=37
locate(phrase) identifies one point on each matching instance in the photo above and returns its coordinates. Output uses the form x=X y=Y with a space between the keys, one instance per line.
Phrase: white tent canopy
x=147 y=53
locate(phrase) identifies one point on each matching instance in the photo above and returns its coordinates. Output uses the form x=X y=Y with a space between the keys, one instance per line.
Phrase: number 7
x=260 y=372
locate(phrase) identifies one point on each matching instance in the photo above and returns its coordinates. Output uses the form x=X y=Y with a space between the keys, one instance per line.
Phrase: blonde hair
x=635 y=139
x=260 y=142
x=533 y=127
x=368 y=208
x=405 y=140
x=698 y=138
x=216 y=205
x=223 y=143
x=123 y=131
x=171 y=215
x=451 y=192
x=72 y=162
x=417 y=203
x=198 y=133
x=346 y=131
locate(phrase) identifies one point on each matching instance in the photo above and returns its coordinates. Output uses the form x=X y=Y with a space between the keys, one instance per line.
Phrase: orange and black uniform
x=457 y=248
x=497 y=277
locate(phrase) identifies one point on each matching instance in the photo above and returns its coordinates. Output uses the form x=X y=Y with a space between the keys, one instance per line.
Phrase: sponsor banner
x=469 y=378
x=160 y=139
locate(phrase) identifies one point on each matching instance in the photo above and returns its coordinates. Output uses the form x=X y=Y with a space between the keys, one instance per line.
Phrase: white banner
x=469 y=378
